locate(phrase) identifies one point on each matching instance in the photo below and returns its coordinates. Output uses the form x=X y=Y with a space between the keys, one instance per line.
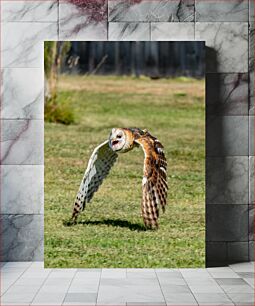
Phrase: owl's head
x=117 y=139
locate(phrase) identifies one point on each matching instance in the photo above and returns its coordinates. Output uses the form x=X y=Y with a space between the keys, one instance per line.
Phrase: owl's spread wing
x=154 y=182
x=99 y=166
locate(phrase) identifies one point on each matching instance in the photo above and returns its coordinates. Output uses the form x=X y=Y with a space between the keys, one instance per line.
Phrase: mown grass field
x=110 y=231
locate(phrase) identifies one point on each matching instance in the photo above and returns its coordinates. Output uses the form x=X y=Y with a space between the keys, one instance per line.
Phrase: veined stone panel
x=227 y=180
x=22 y=142
x=151 y=10
x=22 y=189
x=22 y=93
x=22 y=237
x=129 y=31
x=213 y=10
x=226 y=43
x=227 y=94
x=182 y=31
x=29 y=11
x=227 y=135
x=76 y=24
x=22 y=43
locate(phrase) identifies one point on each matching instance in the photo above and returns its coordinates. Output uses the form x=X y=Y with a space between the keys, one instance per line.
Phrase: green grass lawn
x=110 y=231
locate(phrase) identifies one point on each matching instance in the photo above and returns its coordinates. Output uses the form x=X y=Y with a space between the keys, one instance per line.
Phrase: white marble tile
x=234 y=10
x=22 y=142
x=18 y=295
x=243 y=267
x=114 y=273
x=23 y=43
x=110 y=295
x=129 y=31
x=45 y=298
x=36 y=274
x=17 y=264
x=181 y=299
x=242 y=299
x=22 y=10
x=153 y=10
x=195 y=273
x=77 y=22
x=22 y=189
x=139 y=273
x=181 y=31
x=22 y=93
x=87 y=274
x=84 y=285
x=226 y=43
x=213 y=299
x=22 y=237
x=62 y=273
x=222 y=272
x=6 y=283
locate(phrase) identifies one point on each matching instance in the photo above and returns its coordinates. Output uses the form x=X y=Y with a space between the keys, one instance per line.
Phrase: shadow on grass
x=112 y=222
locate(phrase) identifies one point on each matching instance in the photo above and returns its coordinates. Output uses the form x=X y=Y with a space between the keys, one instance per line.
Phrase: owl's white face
x=117 y=139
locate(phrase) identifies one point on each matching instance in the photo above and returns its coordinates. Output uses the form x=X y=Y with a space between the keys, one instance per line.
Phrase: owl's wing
x=99 y=166
x=154 y=182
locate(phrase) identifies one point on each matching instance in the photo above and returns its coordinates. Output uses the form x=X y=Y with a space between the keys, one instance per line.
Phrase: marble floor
x=28 y=283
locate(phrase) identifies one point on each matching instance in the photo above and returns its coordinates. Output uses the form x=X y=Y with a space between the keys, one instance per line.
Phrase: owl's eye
x=119 y=136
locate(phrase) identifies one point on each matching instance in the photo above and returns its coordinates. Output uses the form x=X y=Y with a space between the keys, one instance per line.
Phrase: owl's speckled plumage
x=154 y=183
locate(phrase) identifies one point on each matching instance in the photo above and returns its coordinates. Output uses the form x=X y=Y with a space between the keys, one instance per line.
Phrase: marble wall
x=227 y=28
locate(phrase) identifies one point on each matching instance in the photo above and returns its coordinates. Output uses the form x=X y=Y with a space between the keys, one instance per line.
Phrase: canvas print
x=124 y=154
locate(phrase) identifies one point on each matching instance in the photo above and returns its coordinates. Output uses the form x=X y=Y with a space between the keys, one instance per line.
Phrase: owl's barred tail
x=78 y=206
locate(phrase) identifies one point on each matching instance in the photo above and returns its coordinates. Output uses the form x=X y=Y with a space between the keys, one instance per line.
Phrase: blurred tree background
x=55 y=53
x=152 y=59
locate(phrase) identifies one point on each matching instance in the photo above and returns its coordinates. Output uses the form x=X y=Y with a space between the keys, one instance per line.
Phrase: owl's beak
x=114 y=142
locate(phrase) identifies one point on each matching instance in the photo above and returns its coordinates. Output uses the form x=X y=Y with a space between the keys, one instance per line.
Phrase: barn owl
x=154 y=182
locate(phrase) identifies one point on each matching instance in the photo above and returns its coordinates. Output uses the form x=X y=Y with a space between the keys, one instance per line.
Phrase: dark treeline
x=154 y=59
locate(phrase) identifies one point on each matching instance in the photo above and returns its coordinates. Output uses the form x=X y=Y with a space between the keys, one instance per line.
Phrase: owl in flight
x=154 y=183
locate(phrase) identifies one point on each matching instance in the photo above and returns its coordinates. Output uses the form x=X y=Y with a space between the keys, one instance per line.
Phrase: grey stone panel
x=227 y=180
x=22 y=237
x=226 y=43
x=216 y=253
x=129 y=31
x=251 y=135
x=251 y=250
x=227 y=223
x=227 y=135
x=21 y=189
x=22 y=142
x=153 y=10
x=251 y=92
x=251 y=11
x=226 y=94
x=237 y=252
x=234 y=10
x=251 y=68
x=251 y=222
x=251 y=180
